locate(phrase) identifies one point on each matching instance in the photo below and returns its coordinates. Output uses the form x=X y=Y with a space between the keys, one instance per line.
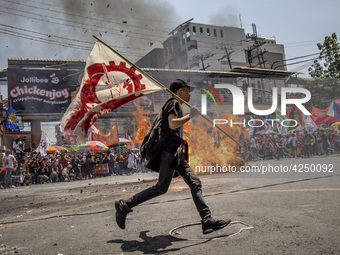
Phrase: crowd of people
x=296 y=144
x=34 y=168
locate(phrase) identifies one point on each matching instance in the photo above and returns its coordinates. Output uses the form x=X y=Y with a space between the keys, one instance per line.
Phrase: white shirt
x=9 y=160
x=16 y=146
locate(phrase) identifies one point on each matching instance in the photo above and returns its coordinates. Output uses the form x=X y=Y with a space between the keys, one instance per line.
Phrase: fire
x=143 y=125
x=209 y=146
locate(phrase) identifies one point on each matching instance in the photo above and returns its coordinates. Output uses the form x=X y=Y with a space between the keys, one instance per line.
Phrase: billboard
x=35 y=91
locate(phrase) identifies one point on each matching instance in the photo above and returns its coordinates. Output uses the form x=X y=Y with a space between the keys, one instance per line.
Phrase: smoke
x=133 y=27
x=226 y=16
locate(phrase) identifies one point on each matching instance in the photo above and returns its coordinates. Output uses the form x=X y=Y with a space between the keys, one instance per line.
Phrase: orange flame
x=210 y=147
x=143 y=125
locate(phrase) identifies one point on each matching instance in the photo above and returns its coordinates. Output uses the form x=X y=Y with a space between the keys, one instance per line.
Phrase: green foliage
x=326 y=69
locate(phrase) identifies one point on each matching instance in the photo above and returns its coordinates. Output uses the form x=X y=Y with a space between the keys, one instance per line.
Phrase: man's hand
x=193 y=112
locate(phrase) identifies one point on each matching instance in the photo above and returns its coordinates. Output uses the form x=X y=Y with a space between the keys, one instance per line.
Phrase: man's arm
x=175 y=122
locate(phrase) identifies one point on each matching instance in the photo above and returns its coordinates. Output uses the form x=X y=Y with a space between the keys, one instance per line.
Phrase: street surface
x=298 y=214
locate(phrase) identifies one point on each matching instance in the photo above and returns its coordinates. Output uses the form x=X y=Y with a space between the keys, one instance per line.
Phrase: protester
x=171 y=158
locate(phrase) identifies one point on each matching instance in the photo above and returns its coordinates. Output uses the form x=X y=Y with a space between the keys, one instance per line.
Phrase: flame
x=210 y=147
x=207 y=145
x=143 y=125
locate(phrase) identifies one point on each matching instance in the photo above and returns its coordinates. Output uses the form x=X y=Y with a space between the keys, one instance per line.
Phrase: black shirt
x=174 y=140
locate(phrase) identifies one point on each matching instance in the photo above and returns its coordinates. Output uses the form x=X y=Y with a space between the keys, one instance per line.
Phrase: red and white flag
x=43 y=144
x=109 y=82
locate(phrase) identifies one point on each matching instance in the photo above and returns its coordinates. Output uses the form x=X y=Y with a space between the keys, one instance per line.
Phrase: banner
x=43 y=144
x=320 y=116
x=109 y=82
x=11 y=120
x=41 y=91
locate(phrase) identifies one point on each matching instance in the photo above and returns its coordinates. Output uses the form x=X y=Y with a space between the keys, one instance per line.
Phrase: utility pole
x=228 y=57
x=256 y=46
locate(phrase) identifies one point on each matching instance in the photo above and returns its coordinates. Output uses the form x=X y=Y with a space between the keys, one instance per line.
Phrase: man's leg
x=8 y=176
x=161 y=187
x=194 y=183
x=209 y=224
x=164 y=180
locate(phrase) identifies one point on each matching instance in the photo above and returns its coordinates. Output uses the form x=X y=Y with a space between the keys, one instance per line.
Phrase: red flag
x=108 y=139
x=320 y=116
x=109 y=82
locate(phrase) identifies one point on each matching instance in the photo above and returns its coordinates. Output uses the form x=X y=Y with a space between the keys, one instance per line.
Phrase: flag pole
x=168 y=90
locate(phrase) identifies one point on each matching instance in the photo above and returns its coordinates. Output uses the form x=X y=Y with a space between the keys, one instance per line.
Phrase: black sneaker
x=122 y=209
x=209 y=225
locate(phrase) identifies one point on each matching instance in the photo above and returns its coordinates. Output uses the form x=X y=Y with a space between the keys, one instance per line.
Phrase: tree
x=326 y=69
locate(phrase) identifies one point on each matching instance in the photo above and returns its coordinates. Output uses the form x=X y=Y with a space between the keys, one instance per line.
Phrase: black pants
x=166 y=173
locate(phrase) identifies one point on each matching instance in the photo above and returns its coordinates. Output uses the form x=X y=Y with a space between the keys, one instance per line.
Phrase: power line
x=60 y=37
x=299 y=62
x=95 y=28
x=43 y=40
x=106 y=14
x=84 y=17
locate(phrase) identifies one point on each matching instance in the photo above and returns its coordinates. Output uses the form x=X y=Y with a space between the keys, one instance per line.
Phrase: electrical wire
x=104 y=14
x=84 y=17
x=45 y=40
x=94 y=26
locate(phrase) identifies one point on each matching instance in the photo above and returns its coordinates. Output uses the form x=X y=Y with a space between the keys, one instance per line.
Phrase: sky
x=63 y=29
x=136 y=27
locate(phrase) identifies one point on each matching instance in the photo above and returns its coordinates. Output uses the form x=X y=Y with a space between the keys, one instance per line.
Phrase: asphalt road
x=295 y=213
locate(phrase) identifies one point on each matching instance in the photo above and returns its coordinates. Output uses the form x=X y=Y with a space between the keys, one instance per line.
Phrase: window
x=194 y=30
x=221 y=33
x=208 y=31
x=201 y=30
x=215 y=32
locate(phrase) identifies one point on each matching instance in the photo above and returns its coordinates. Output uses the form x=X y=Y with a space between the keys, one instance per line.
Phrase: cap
x=177 y=84
x=17 y=137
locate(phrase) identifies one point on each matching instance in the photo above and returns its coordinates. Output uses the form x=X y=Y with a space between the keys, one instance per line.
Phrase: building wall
x=206 y=47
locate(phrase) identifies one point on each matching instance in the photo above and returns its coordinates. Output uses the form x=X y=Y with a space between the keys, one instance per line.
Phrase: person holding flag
x=171 y=159
x=110 y=80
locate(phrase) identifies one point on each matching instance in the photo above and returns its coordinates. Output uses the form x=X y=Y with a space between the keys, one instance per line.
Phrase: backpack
x=155 y=137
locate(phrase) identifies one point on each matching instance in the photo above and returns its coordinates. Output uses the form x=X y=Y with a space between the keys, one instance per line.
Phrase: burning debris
x=207 y=145
x=143 y=124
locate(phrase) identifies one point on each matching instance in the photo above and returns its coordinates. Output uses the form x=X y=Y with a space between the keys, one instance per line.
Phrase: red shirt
x=63 y=162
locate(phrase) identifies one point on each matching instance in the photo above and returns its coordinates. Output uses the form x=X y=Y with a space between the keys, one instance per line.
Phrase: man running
x=171 y=159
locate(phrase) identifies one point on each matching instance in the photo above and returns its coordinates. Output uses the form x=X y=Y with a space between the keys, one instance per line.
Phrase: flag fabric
x=108 y=139
x=109 y=82
x=251 y=126
x=268 y=125
x=43 y=144
x=334 y=110
x=310 y=125
x=320 y=116
x=279 y=116
x=282 y=130
x=11 y=120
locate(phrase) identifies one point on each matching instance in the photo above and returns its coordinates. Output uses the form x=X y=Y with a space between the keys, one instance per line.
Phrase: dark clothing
x=166 y=173
x=170 y=159
x=174 y=140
